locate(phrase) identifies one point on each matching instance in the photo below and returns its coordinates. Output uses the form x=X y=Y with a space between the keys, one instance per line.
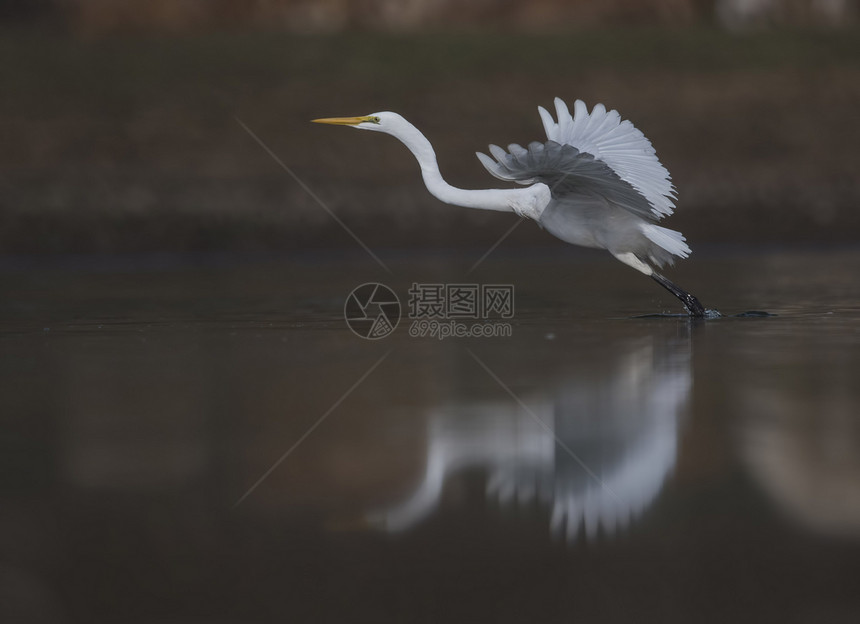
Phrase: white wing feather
x=617 y=143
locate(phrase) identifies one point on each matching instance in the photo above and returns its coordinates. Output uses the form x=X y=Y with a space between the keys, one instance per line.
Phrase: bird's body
x=595 y=182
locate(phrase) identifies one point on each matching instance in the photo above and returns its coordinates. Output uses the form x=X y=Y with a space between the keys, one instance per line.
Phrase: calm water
x=204 y=440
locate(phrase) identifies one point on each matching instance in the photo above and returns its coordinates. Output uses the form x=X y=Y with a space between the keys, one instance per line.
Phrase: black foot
x=691 y=304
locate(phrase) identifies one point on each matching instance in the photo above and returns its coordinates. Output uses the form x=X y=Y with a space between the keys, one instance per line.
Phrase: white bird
x=595 y=182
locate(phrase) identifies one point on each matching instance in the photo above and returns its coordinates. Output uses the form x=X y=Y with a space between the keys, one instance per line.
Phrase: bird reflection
x=593 y=446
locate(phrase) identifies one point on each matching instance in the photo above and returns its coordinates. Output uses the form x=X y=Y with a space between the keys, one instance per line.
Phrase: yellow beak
x=342 y=121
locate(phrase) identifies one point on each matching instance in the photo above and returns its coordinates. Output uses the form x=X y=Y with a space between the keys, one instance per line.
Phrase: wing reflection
x=593 y=448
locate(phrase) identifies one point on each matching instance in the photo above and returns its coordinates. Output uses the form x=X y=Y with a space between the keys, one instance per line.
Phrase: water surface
x=204 y=439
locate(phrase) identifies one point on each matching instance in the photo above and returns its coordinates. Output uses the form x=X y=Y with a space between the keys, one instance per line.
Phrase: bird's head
x=380 y=122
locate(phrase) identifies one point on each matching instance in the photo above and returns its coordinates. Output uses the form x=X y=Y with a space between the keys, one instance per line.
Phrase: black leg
x=692 y=305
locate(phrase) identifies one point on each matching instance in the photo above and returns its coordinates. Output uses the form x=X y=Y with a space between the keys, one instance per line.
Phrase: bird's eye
x=374 y=119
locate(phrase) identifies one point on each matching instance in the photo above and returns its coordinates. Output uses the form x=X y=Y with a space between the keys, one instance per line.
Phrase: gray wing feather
x=569 y=173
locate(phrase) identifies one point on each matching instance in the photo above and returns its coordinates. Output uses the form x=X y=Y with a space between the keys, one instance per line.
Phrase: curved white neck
x=485 y=199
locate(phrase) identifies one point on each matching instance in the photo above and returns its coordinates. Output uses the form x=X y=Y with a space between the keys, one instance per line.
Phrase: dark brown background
x=120 y=133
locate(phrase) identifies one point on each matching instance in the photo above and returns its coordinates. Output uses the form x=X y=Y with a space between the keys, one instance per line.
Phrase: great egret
x=595 y=182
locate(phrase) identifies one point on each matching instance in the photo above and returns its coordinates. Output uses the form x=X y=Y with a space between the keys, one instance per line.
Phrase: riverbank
x=133 y=144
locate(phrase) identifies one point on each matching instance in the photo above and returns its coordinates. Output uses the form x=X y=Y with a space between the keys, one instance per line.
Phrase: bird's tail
x=669 y=243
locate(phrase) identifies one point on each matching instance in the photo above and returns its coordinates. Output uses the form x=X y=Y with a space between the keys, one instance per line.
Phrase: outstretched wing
x=569 y=173
x=596 y=154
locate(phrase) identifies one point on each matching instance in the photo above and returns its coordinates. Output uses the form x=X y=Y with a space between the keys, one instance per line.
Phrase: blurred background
x=120 y=131
x=190 y=433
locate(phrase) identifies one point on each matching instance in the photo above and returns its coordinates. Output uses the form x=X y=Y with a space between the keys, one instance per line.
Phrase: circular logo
x=372 y=311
